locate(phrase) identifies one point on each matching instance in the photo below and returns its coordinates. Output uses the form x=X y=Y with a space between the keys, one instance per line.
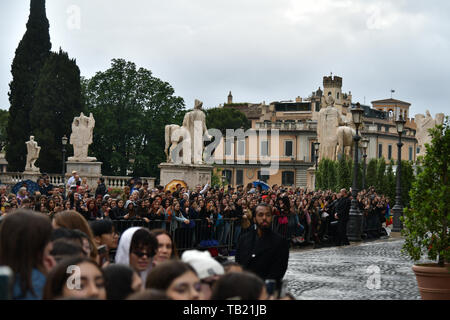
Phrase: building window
x=227 y=175
x=287 y=178
x=288 y=148
x=263 y=176
x=389 y=152
x=239 y=177
x=380 y=150
x=337 y=95
x=418 y=150
x=264 y=148
x=410 y=153
x=386 y=129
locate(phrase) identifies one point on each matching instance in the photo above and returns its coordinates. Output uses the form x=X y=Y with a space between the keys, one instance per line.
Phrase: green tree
x=57 y=101
x=426 y=223
x=332 y=176
x=31 y=54
x=226 y=118
x=390 y=182
x=343 y=174
x=4 y=115
x=408 y=178
x=371 y=175
x=131 y=108
x=380 y=184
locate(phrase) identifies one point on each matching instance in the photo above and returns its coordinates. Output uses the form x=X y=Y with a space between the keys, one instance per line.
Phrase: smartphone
x=6 y=282
x=101 y=250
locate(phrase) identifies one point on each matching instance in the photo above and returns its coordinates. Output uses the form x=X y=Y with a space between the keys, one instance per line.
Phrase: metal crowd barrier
x=192 y=236
x=200 y=235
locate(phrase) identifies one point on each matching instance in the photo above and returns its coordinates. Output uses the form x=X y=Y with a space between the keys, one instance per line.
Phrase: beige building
x=246 y=160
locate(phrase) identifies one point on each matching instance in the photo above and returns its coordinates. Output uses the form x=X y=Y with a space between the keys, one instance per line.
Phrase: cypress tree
x=390 y=182
x=380 y=185
x=371 y=175
x=332 y=176
x=319 y=174
x=343 y=174
x=33 y=50
x=57 y=101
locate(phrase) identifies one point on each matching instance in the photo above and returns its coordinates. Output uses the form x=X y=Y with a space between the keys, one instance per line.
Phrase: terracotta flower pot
x=433 y=281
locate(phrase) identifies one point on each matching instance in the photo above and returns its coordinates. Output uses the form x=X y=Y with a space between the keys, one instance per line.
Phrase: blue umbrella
x=263 y=185
x=31 y=186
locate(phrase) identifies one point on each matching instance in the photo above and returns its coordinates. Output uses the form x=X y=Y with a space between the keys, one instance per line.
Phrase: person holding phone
x=103 y=232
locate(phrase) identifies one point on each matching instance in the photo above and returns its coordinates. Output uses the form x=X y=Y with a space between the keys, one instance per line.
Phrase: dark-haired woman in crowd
x=91 y=285
x=25 y=247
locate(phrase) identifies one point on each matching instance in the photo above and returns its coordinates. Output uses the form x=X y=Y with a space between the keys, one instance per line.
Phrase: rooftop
x=391 y=101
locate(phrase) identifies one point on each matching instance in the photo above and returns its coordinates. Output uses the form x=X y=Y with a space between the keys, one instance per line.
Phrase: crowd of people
x=45 y=233
x=206 y=213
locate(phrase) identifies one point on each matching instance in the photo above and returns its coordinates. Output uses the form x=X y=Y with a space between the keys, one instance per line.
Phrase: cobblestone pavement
x=341 y=273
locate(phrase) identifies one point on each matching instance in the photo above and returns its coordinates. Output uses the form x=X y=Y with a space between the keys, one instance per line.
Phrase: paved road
x=345 y=273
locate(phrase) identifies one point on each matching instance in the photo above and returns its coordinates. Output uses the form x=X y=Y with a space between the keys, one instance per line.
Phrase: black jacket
x=343 y=208
x=101 y=190
x=267 y=257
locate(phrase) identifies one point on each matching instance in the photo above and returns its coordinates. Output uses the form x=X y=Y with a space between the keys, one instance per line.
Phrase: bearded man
x=263 y=251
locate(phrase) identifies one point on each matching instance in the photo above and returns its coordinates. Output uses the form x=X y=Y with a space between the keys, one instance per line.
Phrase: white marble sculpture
x=81 y=137
x=329 y=120
x=195 y=122
x=423 y=124
x=345 y=143
x=190 y=134
x=32 y=155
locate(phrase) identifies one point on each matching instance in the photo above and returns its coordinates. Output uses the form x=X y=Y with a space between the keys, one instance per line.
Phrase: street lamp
x=398 y=208
x=354 y=227
x=364 y=145
x=316 y=155
x=64 y=143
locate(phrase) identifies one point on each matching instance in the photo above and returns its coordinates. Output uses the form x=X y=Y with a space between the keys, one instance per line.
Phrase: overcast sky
x=261 y=50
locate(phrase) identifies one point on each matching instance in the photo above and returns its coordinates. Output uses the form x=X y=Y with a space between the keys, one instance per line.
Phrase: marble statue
x=329 y=120
x=345 y=141
x=174 y=135
x=32 y=155
x=190 y=135
x=192 y=119
x=81 y=137
x=423 y=124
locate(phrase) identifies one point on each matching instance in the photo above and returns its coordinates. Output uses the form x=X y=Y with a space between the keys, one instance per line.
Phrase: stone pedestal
x=90 y=170
x=311 y=178
x=31 y=175
x=192 y=174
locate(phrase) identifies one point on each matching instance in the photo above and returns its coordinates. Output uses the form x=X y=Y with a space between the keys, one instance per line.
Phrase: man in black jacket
x=262 y=251
x=101 y=188
x=342 y=215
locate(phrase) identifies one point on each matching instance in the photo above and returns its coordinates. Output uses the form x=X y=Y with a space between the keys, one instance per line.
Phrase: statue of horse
x=170 y=141
x=345 y=141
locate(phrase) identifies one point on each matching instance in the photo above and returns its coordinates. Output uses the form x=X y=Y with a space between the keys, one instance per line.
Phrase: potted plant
x=427 y=221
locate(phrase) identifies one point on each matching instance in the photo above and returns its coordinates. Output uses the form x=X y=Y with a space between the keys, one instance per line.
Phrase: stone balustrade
x=12 y=178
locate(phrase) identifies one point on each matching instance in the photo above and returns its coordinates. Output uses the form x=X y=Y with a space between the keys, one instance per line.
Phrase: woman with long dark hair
x=25 y=247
